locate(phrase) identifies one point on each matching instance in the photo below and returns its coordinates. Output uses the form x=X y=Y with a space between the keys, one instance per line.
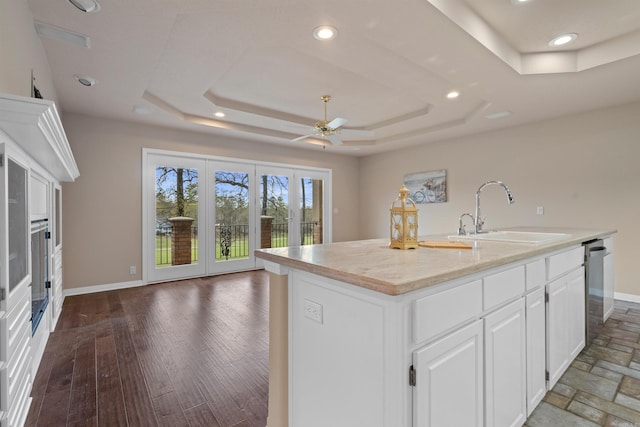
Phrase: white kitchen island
x=364 y=335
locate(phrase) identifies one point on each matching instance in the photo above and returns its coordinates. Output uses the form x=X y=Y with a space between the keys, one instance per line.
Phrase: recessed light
x=88 y=6
x=85 y=80
x=325 y=32
x=519 y=1
x=563 y=39
x=453 y=94
x=219 y=114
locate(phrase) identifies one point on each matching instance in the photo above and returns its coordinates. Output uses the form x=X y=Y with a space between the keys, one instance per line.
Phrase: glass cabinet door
x=18 y=223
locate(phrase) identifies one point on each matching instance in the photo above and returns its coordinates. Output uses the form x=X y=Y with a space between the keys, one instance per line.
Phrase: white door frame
x=150 y=272
x=206 y=209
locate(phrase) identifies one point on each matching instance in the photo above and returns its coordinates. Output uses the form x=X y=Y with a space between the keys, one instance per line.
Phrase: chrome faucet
x=461 y=229
x=479 y=221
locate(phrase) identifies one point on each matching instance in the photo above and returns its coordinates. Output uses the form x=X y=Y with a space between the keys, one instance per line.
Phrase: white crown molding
x=35 y=126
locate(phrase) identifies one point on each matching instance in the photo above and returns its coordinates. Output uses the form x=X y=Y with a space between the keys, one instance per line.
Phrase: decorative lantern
x=404 y=222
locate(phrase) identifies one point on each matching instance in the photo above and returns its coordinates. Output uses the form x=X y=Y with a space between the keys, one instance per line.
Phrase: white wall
x=582 y=169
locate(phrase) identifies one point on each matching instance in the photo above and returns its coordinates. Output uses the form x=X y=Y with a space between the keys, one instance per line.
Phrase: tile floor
x=602 y=386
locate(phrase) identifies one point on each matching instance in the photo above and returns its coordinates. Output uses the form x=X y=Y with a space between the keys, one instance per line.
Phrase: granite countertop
x=371 y=264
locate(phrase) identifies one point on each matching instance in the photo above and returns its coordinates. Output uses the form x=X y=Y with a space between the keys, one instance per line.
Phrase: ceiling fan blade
x=336 y=123
x=335 y=139
x=357 y=132
x=300 y=138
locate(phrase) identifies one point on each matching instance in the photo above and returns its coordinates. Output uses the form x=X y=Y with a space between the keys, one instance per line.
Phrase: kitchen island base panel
x=278 y=351
x=344 y=335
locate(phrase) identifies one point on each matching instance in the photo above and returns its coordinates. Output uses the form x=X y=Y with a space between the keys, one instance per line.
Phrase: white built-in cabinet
x=536 y=348
x=450 y=374
x=474 y=351
x=15 y=293
x=506 y=366
x=34 y=158
x=565 y=311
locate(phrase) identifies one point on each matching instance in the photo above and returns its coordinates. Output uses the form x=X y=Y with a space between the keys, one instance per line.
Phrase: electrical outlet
x=132 y=270
x=540 y=210
x=313 y=311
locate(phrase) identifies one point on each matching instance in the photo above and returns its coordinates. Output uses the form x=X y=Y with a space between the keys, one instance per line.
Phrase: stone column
x=317 y=232
x=265 y=231
x=181 y=240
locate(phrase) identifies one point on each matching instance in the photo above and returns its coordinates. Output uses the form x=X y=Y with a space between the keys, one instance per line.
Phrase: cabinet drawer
x=501 y=287
x=535 y=274
x=437 y=313
x=563 y=262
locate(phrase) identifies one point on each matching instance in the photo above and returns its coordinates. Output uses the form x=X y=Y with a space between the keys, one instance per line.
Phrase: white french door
x=231 y=237
x=174 y=236
x=277 y=227
x=292 y=208
x=227 y=208
x=312 y=206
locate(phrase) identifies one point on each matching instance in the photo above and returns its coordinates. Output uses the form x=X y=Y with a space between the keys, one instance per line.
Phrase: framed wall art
x=427 y=187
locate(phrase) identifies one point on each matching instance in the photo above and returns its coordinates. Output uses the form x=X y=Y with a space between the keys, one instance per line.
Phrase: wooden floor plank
x=168 y=411
x=201 y=416
x=136 y=395
x=111 y=407
x=83 y=386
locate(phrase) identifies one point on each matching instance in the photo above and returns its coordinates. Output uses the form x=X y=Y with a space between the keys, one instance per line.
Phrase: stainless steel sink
x=531 y=237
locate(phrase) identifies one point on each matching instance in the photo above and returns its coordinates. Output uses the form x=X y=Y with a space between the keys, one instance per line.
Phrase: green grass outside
x=163 y=253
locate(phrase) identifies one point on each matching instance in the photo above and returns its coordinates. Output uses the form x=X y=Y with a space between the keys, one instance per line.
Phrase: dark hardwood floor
x=186 y=353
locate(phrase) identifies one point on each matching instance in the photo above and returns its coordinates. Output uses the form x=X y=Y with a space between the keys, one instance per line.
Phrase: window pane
x=310 y=211
x=274 y=211
x=176 y=216
x=232 y=216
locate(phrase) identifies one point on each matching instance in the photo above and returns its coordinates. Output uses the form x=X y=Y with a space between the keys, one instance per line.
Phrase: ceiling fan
x=331 y=130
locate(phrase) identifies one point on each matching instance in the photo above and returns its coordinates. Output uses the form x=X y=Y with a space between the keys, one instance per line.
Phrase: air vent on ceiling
x=54 y=33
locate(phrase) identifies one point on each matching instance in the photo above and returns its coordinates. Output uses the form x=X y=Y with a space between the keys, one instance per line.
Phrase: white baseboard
x=102 y=288
x=626 y=297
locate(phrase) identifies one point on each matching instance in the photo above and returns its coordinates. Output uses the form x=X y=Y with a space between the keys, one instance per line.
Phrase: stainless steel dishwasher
x=594 y=252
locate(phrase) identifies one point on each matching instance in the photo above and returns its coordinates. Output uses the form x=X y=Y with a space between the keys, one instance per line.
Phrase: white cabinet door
x=15 y=292
x=449 y=380
x=576 y=309
x=505 y=366
x=608 y=285
x=565 y=322
x=536 y=349
x=557 y=330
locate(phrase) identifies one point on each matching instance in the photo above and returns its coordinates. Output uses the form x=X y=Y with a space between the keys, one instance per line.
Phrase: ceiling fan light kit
x=325 y=128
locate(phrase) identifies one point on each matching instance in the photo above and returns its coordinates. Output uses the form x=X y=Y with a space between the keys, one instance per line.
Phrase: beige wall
x=21 y=51
x=582 y=169
x=102 y=210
